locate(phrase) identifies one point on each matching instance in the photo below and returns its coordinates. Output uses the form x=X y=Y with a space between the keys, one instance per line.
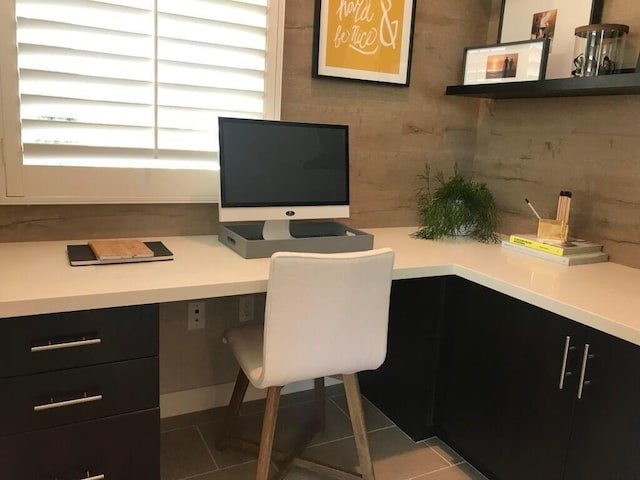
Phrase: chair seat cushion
x=246 y=343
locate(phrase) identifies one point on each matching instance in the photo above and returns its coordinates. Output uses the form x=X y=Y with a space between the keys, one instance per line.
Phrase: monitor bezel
x=230 y=212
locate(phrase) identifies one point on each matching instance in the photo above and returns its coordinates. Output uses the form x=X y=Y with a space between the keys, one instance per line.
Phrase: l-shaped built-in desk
x=39 y=286
x=37 y=278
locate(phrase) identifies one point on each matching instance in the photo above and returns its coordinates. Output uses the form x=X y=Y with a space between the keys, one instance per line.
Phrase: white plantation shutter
x=86 y=77
x=138 y=83
x=211 y=61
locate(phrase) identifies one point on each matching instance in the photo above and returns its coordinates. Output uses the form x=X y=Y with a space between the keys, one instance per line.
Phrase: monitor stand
x=248 y=241
x=276 y=230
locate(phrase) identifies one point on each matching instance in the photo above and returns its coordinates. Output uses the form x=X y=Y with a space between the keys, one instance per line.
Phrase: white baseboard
x=204 y=398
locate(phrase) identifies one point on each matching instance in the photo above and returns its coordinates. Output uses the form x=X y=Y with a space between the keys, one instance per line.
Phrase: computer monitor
x=276 y=171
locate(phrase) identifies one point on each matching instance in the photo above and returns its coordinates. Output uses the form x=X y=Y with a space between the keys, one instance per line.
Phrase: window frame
x=29 y=184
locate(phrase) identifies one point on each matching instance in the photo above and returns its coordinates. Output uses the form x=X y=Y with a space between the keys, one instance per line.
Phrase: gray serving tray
x=319 y=237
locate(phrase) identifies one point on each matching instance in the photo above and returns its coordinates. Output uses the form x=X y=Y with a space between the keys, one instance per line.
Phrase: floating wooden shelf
x=618 y=84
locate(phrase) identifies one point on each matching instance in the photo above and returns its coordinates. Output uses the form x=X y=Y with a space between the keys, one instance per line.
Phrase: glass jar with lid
x=599 y=49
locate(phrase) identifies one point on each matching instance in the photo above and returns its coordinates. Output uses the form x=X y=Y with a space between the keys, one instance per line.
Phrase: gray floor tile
x=183 y=453
x=301 y=474
x=395 y=456
x=191 y=419
x=334 y=390
x=374 y=418
x=444 y=450
x=472 y=472
x=256 y=406
x=292 y=422
x=246 y=471
x=230 y=456
x=462 y=471
x=289 y=427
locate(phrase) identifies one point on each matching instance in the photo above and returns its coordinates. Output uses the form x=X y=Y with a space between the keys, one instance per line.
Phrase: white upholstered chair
x=325 y=315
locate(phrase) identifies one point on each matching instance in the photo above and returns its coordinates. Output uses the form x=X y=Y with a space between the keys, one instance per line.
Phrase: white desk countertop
x=35 y=278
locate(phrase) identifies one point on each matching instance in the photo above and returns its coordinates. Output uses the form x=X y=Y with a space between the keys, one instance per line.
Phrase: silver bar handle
x=59 y=346
x=563 y=371
x=585 y=357
x=564 y=361
x=67 y=403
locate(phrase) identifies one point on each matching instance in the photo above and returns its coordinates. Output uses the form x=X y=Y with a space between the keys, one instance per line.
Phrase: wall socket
x=196 y=315
x=246 y=306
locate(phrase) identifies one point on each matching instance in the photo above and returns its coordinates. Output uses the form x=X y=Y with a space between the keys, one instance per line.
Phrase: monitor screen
x=276 y=171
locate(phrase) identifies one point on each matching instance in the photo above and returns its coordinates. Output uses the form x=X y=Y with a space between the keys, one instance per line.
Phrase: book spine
x=587 y=258
x=535 y=253
x=543 y=247
x=578 y=259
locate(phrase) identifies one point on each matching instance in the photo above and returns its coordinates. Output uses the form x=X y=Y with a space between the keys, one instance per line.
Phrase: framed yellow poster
x=364 y=40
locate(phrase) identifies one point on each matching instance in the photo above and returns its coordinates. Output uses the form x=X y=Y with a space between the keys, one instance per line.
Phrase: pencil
x=531 y=207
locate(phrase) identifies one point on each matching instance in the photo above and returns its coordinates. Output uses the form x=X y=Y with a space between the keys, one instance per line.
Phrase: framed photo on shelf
x=506 y=62
x=553 y=19
x=364 y=41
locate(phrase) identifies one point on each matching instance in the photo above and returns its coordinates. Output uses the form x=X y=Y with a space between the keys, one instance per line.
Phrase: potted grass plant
x=459 y=207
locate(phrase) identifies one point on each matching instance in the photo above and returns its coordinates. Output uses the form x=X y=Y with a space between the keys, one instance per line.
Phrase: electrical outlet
x=196 y=315
x=245 y=308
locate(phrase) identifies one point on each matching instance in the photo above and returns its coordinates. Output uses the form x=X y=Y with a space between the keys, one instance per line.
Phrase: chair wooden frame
x=284 y=461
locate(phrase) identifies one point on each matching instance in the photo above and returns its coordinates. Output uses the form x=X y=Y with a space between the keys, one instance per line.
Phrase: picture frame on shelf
x=364 y=41
x=506 y=62
x=556 y=19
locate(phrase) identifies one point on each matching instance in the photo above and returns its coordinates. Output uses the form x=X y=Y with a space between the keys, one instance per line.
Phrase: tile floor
x=188 y=453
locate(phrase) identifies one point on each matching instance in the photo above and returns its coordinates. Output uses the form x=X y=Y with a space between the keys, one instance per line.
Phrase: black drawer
x=124 y=447
x=66 y=396
x=42 y=343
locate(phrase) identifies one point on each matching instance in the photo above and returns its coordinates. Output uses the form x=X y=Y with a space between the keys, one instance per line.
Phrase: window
x=117 y=101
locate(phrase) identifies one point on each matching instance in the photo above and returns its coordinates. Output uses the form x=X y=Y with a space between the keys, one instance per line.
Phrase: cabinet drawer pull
x=563 y=371
x=67 y=403
x=583 y=372
x=73 y=344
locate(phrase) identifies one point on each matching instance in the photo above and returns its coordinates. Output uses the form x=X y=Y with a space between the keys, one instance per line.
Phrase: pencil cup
x=553 y=230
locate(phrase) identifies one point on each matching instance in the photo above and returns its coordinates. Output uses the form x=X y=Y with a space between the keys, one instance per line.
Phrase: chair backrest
x=325 y=314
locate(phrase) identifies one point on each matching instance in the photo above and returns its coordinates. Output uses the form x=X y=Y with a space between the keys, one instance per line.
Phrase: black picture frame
x=530 y=62
x=530 y=19
x=595 y=15
x=326 y=14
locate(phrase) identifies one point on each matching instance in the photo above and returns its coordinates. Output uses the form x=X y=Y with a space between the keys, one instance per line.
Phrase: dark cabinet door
x=123 y=447
x=605 y=442
x=500 y=401
x=512 y=394
x=404 y=386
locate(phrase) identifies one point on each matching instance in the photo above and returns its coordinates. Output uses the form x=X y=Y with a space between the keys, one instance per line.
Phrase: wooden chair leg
x=231 y=414
x=268 y=430
x=284 y=461
x=320 y=403
x=352 y=390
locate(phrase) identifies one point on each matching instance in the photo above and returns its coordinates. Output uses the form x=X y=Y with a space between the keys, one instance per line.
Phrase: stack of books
x=573 y=252
x=119 y=249
x=100 y=252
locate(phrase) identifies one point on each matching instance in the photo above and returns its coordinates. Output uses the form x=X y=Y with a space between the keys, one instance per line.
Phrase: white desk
x=36 y=278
